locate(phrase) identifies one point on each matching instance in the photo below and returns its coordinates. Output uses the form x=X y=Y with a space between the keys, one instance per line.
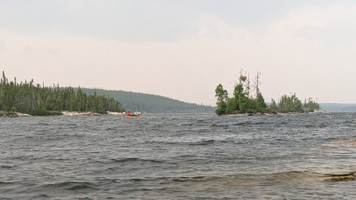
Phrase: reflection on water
x=185 y=156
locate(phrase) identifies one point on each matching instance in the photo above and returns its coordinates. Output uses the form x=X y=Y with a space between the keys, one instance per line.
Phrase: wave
x=243 y=123
x=341 y=177
x=124 y=160
x=219 y=125
x=171 y=179
x=187 y=124
x=40 y=196
x=316 y=125
x=305 y=175
x=201 y=183
x=195 y=143
x=43 y=124
x=6 y=183
x=71 y=185
x=110 y=129
x=256 y=179
x=234 y=182
x=339 y=142
x=6 y=167
x=203 y=142
x=349 y=122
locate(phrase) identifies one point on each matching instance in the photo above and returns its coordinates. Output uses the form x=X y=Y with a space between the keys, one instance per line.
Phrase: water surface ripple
x=179 y=156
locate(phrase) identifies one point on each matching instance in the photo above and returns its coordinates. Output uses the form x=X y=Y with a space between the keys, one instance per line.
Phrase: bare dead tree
x=248 y=88
x=257 y=83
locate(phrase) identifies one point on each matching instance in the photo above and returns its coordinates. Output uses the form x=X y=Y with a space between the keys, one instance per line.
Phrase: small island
x=28 y=99
x=244 y=103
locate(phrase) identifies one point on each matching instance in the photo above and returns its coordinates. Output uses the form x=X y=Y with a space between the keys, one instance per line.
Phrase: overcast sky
x=184 y=48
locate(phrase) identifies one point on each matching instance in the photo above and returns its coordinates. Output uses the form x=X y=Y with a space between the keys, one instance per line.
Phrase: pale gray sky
x=184 y=49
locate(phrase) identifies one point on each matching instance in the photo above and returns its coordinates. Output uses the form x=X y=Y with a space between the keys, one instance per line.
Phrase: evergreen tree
x=222 y=97
x=273 y=106
x=261 y=104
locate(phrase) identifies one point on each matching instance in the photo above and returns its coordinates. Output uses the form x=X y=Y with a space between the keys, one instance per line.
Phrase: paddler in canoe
x=134 y=115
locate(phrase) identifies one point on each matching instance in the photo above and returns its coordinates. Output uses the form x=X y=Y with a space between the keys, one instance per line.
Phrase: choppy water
x=179 y=157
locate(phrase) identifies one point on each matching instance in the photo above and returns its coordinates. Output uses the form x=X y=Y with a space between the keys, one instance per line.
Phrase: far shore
x=268 y=114
x=76 y=114
x=64 y=114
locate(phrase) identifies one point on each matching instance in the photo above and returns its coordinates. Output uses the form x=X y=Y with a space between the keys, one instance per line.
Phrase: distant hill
x=151 y=103
x=338 y=107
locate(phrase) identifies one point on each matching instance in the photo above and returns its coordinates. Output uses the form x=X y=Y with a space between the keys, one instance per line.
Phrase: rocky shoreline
x=64 y=114
x=267 y=114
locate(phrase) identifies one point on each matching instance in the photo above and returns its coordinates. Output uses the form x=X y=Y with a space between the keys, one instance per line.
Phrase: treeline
x=152 y=103
x=40 y=100
x=293 y=104
x=244 y=102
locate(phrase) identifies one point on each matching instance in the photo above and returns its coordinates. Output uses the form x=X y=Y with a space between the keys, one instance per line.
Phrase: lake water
x=170 y=156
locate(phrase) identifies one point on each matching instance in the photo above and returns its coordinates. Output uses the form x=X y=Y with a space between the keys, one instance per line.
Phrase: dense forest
x=291 y=103
x=244 y=102
x=151 y=103
x=40 y=100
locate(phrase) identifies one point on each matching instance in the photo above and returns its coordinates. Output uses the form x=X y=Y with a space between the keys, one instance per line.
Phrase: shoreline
x=64 y=114
x=78 y=114
x=75 y=114
x=270 y=113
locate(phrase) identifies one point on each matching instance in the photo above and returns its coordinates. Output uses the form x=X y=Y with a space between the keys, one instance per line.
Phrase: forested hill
x=151 y=103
